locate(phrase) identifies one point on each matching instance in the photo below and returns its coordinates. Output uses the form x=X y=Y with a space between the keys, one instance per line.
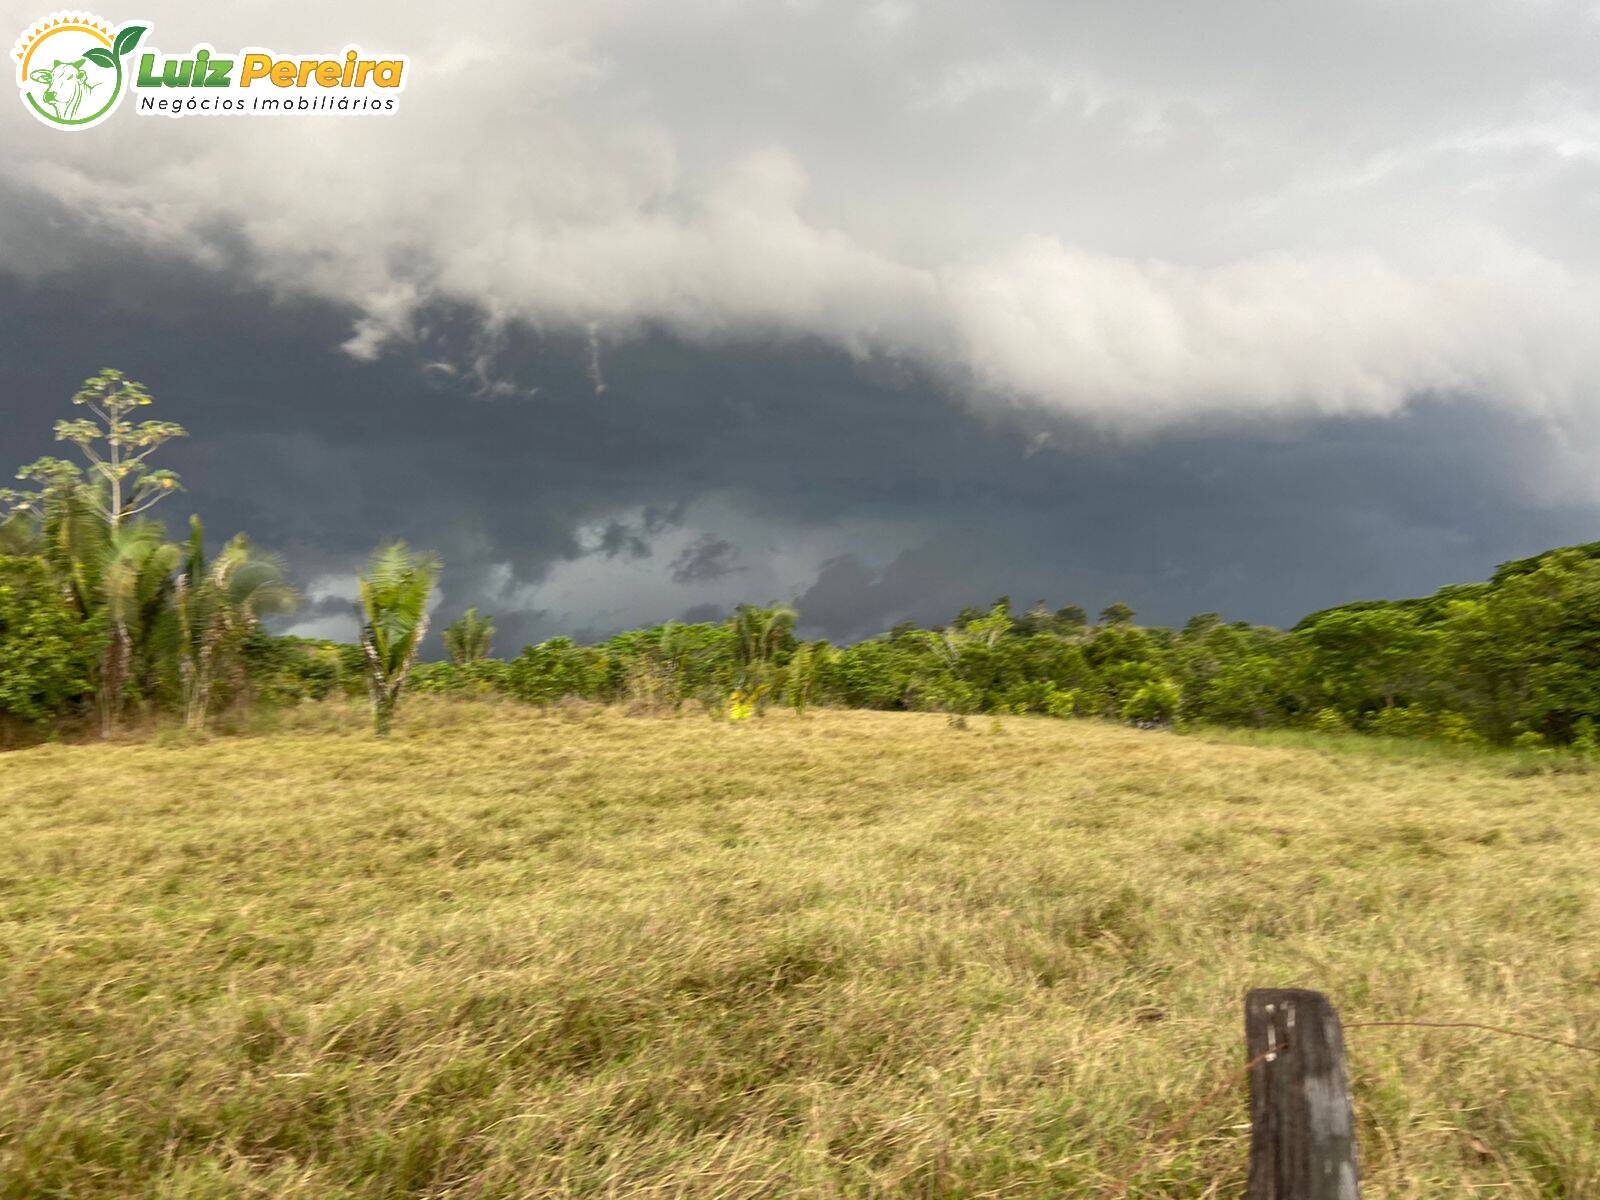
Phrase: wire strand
x=1516 y=1033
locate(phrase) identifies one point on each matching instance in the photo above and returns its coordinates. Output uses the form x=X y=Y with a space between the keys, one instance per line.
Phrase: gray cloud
x=1137 y=215
x=869 y=497
x=705 y=558
x=618 y=537
x=1228 y=307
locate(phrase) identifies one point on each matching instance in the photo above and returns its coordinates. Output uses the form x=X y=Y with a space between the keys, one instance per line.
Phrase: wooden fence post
x=1302 y=1134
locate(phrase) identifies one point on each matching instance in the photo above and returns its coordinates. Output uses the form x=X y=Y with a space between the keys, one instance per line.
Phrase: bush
x=1062 y=703
x=1030 y=696
x=1457 y=730
x=1404 y=721
x=478 y=677
x=46 y=652
x=1330 y=720
x=285 y=670
x=949 y=695
x=1248 y=691
x=554 y=669
x=1157 y=700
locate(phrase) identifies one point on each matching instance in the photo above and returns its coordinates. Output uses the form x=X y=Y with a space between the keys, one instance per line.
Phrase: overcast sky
x=634 y=310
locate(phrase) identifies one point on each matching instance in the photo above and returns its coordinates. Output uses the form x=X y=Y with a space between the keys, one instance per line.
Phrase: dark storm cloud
x=632 y=539
x=1130 y=213
x=618 y=538
x=1228 y=306
x=1263 y=528
x=858 y=488
x=704 y=559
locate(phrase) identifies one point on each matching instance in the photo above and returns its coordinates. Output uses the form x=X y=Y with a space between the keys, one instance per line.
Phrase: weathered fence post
x=1302 y=1134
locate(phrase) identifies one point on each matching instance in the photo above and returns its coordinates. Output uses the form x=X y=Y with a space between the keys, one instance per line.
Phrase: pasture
x=515 y=952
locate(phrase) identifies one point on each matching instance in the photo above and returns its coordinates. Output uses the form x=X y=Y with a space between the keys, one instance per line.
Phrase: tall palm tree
x=218 y=604
x=758 y=635
x=394 y=619
x=135 y=582
x=469 y=638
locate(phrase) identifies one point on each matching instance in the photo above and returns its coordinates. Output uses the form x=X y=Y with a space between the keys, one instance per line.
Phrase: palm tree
x=800 y=677
x=63 y=525
x=135 y=582
x=956 y=642
x=116 y=578
x=218 y=605
x=469 y=638
x=394 y=619
x=758 y=635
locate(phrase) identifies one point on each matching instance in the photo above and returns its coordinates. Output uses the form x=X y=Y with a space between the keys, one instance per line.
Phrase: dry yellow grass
x=513 y=953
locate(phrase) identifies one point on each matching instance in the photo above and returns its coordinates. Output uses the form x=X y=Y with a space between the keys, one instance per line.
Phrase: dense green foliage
x=46 y=653
x=1516 y=659
x=100 y=609
x=99 y=612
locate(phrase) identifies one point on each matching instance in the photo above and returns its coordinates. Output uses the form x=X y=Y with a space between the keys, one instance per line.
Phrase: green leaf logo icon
x=76 y=67
x=128 y=39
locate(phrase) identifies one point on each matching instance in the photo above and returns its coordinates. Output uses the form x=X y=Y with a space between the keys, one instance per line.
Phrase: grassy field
x=512 y=953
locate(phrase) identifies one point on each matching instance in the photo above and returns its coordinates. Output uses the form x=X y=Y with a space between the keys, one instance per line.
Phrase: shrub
x=46 y=652
x=557 y=668
x=285 y=670
x=1029 y=696
x=945 y=694
x=1246 y=692
x=1404 y=720
x=1456 y=729
x=650 y=685
x=874 y=674
x=474 y=677
x=1062 y=703
x=1157 y=700
x=1330 y=720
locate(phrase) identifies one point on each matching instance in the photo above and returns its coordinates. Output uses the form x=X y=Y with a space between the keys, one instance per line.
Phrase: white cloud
x=1146 y=217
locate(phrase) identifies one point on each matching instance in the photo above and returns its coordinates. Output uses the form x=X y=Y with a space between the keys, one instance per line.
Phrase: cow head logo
x=71 y=69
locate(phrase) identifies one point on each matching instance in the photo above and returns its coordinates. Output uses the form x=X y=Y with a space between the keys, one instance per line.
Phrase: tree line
x=101 y=614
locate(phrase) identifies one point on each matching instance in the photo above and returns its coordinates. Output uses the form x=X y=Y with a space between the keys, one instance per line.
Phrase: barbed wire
x=1516 y=1033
